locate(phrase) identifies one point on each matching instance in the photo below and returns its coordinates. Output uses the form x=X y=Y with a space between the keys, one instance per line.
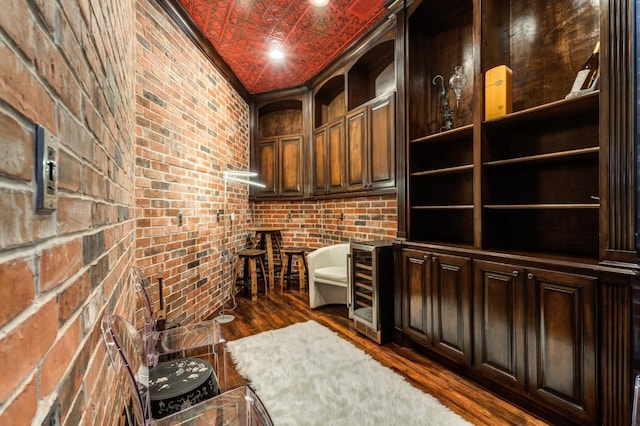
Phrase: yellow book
x=497 y=92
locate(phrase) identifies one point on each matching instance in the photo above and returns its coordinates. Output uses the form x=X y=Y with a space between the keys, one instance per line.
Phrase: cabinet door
x=452 y=307
x=320 y=177
x=290 y=167
x=335 y=157
x=380 y=172
x=267 y=168
x=499 y=323
x=416 y=279
x=561 y=342
x=356 y=146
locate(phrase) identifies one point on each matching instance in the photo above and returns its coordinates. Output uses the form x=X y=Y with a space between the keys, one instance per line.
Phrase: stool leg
x=264 y=275
x=254 y=280
x=289 y=263
x=270 y=260
x=235 y=278
x=300 y=273
x=285 y=261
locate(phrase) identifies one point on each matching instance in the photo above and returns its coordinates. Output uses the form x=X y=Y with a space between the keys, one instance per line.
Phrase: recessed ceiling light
x=319 y=3
x=276 y=54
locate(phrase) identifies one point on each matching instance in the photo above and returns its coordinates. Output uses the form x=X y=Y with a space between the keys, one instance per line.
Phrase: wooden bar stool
x=250 y=256
x=288 y=253
x=267 y=238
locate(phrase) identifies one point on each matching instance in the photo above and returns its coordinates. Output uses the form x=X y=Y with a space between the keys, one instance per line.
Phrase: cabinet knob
x=530 y=275
x=434 y=258
x=515 y=273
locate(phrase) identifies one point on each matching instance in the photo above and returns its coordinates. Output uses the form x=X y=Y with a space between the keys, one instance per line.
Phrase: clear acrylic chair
x=127 y=355
x=204 y=338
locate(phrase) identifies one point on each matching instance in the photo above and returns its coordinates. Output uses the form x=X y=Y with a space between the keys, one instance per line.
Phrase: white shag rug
x=305 y=374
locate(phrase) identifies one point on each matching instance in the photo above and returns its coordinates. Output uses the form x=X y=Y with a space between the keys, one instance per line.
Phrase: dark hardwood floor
x=469 y=400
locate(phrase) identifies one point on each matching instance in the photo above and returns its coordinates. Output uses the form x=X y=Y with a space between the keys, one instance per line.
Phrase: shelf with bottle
x=544 y=42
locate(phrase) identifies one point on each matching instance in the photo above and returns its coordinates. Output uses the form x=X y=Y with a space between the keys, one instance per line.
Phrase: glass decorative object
x=447 y=123
x=457 y=82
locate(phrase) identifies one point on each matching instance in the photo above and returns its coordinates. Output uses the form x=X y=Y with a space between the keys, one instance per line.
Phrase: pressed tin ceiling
x=244 y=31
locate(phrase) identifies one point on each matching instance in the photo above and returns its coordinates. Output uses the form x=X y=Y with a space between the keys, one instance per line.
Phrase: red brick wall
x=146 y=128
x=68 y=65
x=323 y=222
x=191 y=126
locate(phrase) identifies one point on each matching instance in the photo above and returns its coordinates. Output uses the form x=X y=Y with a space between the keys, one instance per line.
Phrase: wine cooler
x=371 y=289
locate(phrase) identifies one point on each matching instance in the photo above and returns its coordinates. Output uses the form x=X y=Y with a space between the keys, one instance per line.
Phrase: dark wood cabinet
x=278 y=149
x=417 y=319
x=499 y=323
x=437 y=302
x=328 y=159
x=452 y=332
x=541 y=200
x=535 y=333
x=280 y=167
x=370 y=145
x=354 y=121
x=525 y=330
x=561 y=332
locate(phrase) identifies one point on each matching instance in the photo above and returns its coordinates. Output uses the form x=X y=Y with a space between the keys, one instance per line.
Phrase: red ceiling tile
x=242 y=31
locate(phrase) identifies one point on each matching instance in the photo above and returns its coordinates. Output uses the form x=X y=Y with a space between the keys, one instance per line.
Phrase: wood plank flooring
x=469 y=400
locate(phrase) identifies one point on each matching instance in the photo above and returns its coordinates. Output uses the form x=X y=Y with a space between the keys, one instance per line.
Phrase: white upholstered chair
x=328 y=275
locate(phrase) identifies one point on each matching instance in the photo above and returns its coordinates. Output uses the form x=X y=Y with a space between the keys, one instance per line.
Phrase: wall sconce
x=457 y=82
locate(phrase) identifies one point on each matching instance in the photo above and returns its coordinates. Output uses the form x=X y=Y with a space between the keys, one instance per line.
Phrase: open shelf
x=442 y=224
x=372 y=75
x=280 y=118
x=558 y=230
x=330 y=101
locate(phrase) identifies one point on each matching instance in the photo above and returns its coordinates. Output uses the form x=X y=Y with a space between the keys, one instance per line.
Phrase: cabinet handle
x=530 y=275
x=515 y=273
x=434 y=258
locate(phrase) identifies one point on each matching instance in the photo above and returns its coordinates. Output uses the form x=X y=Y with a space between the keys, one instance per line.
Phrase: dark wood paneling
x=355 y=148
x=417 y=317
x=381 y=143
x=499 y=320
x=267 y=167
x=318 y=158
x=452 y=334
x=561 y=342
x=618 y=118
x=616 y=372
x=335 y=157
x=291 y=170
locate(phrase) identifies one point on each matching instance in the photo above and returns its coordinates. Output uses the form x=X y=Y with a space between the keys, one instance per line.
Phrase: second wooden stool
x=250 y=256
x=287 y=259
